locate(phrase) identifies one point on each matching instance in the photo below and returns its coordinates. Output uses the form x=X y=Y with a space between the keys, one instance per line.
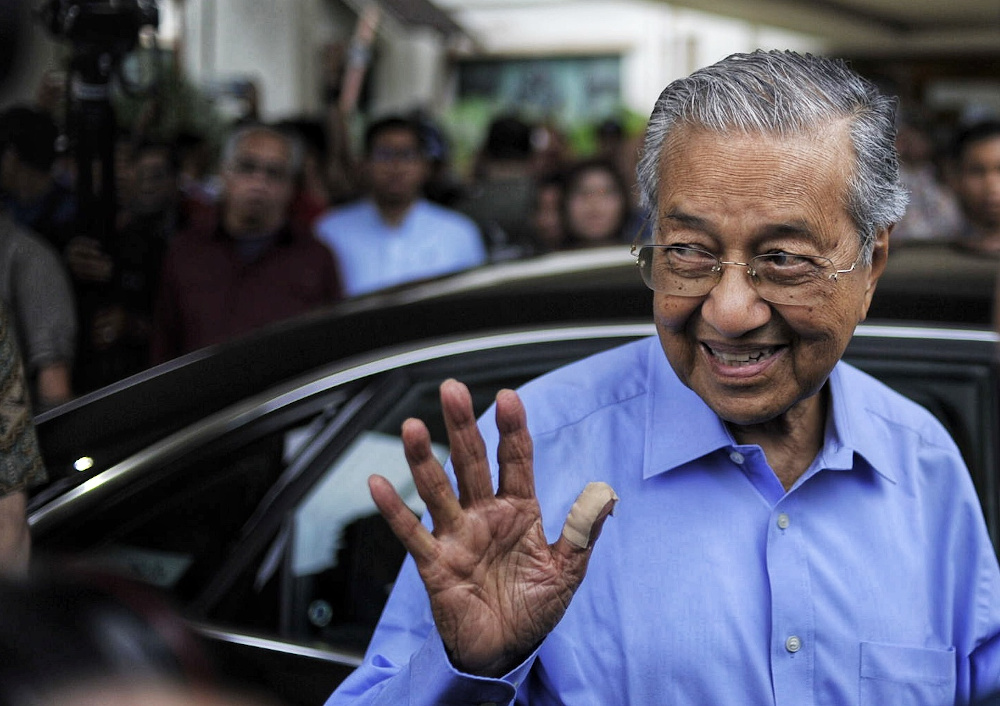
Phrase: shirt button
x=783 y=521
x=793 y=644
x=736 y=457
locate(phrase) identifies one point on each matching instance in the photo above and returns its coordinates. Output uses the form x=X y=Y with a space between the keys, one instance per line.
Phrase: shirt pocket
x=894 y=675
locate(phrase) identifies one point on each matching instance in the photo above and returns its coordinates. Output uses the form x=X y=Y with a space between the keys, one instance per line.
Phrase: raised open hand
x=496 y=586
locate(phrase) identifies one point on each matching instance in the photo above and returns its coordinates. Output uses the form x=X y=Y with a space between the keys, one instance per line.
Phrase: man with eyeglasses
x=395 y=235
x=790 y=531
x=246 y=264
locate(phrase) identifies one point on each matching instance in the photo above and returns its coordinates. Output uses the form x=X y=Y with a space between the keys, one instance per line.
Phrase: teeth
x=744 y=358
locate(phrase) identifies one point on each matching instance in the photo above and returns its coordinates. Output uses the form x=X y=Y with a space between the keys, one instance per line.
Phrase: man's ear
x=880 y=256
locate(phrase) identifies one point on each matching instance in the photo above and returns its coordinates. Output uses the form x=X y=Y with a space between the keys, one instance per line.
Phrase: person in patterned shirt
x=20 y=460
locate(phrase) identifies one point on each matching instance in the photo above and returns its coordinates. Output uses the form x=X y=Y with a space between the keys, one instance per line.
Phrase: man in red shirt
x=247 y=264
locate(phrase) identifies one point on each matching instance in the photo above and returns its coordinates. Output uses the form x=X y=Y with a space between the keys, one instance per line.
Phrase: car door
x=256 y=520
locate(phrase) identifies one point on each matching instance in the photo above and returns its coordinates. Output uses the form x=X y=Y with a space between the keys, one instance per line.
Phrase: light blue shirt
x=872 y=582
x=431 y=240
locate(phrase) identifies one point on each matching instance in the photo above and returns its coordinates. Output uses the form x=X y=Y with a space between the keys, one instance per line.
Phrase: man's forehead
x=396 y=134
x=263 y=142
x=835 y=133
x=809 y=160
x=987 y=147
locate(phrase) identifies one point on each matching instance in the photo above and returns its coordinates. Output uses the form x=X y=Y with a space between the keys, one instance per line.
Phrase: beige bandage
x=585 y=511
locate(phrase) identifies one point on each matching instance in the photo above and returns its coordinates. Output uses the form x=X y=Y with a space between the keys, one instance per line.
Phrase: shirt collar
x=681 y=428
x=852 y=433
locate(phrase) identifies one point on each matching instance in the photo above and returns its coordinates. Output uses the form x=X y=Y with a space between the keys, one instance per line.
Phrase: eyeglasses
x=780 y=278
x=272 y=171
x=384 y=155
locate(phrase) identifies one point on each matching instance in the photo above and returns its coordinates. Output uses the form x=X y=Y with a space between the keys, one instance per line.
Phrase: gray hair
x=784 y=93
x=244 y=131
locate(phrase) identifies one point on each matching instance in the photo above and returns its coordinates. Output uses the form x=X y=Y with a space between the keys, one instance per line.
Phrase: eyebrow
x=796 y=228
x=799 y=229
x=686 y=220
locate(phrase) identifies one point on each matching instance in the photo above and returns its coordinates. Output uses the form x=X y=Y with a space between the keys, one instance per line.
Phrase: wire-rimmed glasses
x=780 y=277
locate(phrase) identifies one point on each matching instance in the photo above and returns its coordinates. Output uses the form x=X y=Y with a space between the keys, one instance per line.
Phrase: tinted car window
x=175 y=524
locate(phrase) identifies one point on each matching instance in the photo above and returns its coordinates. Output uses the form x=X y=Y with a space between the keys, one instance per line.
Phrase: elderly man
x=247 y=265
x=790 y=531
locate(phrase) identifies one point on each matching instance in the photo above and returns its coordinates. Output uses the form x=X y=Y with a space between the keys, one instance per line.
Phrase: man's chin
x=745 y=418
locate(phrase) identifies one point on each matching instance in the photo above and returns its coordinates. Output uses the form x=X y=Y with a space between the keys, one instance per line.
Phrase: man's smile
x=742 y=361
x=742 y=357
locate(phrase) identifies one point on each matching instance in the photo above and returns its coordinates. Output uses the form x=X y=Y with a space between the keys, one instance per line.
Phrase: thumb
x=586 y=517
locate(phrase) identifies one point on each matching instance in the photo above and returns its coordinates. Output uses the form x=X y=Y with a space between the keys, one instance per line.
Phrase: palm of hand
x=496 y=586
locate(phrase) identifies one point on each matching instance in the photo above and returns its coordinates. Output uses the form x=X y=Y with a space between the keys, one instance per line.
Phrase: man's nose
x=733 y=306
x=258 y=178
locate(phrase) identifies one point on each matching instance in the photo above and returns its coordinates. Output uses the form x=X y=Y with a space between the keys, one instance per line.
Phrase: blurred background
x=569 y=63
x=529 y=112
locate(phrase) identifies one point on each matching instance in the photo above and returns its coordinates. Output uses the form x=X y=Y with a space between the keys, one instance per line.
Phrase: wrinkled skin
x=742 y=196
x=496 y=586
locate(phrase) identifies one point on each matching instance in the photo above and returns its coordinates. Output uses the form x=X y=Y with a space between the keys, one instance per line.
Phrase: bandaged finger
x=586 y=511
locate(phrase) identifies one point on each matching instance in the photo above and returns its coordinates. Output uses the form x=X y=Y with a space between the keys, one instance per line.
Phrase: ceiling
x=876 y=26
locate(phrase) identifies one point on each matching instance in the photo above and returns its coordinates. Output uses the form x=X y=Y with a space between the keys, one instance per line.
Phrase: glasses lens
x=784 y=278
x=272 y=171
x=780 y=278
x=384 y=155
x=244 y=166
x=681 y=272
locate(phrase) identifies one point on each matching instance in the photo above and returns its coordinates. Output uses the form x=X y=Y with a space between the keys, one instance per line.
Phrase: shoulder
x=442 y=216
x=27 y=247
x=312 y=248
x=895 y=414
x=596 y=385
x=902 y=439
x=339 y=216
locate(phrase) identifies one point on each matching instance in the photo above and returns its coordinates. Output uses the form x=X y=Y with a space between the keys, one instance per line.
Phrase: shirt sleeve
x=406 y=663
x=20 y=461
x=44 y=306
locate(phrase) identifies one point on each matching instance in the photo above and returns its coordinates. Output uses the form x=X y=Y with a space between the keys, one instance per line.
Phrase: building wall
x=279 y=46
x=656 y=41
x=258 y=40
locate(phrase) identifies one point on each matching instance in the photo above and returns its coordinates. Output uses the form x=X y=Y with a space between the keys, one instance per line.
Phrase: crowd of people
x=284 y=220
x=287 y=218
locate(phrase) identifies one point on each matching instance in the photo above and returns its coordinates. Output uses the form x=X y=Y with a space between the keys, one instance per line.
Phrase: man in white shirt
x=394 y=235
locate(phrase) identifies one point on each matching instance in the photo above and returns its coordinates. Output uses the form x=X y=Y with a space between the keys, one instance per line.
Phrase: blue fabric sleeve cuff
x=432 y=675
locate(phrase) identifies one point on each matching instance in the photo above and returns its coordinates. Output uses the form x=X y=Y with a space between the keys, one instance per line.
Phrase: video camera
x=100 y=25
x=101 y=33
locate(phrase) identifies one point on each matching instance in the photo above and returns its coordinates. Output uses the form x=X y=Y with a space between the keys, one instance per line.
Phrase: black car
x=234 y=479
